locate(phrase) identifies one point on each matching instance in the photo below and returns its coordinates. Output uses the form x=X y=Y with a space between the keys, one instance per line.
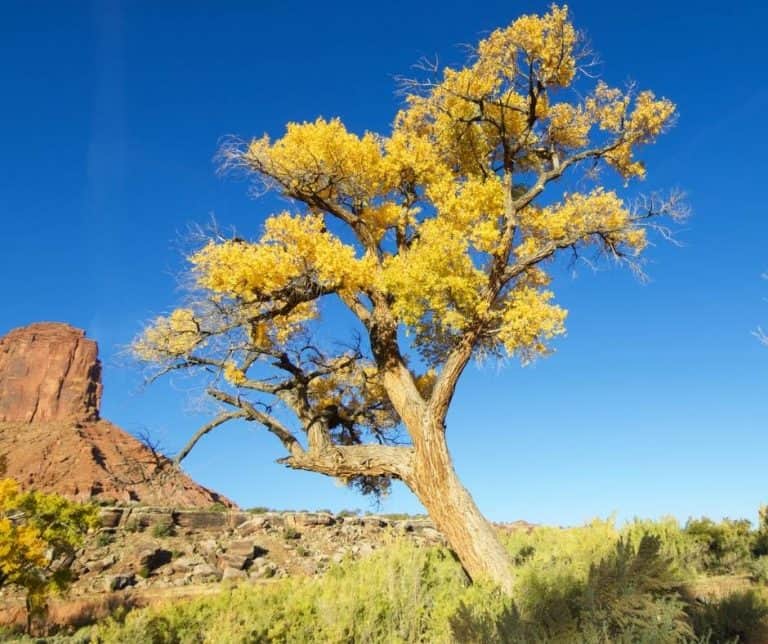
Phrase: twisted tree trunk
x=454 y=513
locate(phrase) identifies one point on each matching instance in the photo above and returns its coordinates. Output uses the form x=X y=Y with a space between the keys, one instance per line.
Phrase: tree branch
x=272 y=425
x=347 y=462
x=556 y=172
x=219 y=420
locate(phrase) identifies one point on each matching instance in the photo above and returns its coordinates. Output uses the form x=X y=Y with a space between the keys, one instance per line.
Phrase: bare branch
x=219 y=420
x=272 y=425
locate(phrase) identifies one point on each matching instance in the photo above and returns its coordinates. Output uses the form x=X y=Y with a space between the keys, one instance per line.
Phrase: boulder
x=233 y=574
x=120 y=582
x=152 y=558
x=240 y=555
x=252 y=526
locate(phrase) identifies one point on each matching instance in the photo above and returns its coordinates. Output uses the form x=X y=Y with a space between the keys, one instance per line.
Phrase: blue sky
x=656 y=401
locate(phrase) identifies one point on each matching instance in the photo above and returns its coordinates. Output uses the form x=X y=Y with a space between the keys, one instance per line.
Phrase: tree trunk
x=454 y=513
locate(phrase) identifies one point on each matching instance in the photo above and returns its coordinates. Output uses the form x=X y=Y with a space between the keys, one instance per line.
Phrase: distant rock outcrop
x=51 y=436
x=49 y=372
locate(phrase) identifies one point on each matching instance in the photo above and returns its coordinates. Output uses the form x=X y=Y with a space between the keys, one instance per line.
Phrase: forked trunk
x=455 y=515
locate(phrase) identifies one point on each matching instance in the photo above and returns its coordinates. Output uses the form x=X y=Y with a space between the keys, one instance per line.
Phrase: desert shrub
x=401 y=516
x=163 y=529
x=758 y=570
x=290 y=533
x=171 y=624
x=346 y=512
x=482 y=614
x=592 y=584
x=686 y=553
x=634 y=590
x=726 y=546
x=760 y=541
x=562 y=552
x=739 y=617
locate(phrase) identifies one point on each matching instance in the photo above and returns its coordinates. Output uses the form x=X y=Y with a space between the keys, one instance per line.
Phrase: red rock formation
x=51 y=437
x=48 y=372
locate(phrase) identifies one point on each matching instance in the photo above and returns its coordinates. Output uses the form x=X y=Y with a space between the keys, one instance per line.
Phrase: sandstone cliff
x=51 y=436
x=49 y=372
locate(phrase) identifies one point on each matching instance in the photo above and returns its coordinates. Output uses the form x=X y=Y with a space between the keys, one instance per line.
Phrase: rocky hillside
x=51 y=435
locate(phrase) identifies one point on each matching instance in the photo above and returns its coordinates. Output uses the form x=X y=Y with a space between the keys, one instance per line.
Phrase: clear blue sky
x=655 y=402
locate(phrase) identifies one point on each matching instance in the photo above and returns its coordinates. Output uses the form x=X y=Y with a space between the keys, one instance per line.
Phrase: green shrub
x=163 y=529
x=290 y=533
x=350 y=513
x=739 y=617
x=760 y=543
x=592 y=584
x=634 y=590
x=759 y=570
x=726 y=546
x=674 y=543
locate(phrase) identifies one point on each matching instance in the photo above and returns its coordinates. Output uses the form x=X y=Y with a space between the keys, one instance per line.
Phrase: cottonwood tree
x=437 y=238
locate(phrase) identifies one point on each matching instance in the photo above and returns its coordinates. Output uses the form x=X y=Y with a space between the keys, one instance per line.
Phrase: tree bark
x=454 y=513
x=432 y=478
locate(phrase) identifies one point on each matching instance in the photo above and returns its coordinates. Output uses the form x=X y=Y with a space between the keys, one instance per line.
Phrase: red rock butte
x=49 y=372
x=51 y=435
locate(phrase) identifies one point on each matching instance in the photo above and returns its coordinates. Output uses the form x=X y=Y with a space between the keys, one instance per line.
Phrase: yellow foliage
x=528 y=319
x=436 y=276
x=610 y=109
x=569 y=125
x=233 y=374
x=578 y=219
x=472 y=208
x=175 y=335
x=292 y=247
x=354 y=386
x=321 y=158
x=426 y=382
x=548 y=40
x=430 y=213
